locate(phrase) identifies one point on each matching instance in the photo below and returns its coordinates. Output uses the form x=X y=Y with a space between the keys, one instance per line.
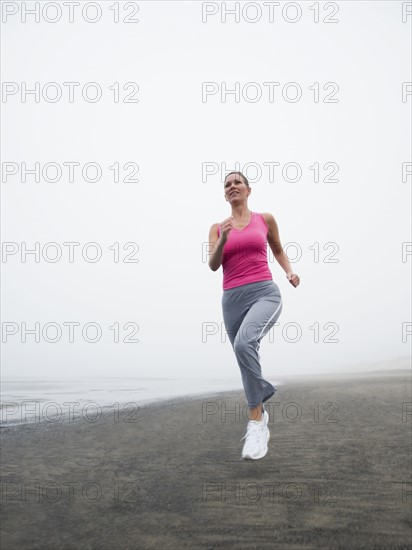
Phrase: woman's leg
x=256 y=413
x=260 y=318
x=249 y=313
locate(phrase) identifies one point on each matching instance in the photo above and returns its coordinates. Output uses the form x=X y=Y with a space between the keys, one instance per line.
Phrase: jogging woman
x=251 y=301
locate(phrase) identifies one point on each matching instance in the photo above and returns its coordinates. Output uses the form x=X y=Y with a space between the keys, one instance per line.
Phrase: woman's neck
x=241 y=212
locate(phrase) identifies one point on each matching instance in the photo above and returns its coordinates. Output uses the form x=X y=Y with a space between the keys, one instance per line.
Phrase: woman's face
x=235 y=188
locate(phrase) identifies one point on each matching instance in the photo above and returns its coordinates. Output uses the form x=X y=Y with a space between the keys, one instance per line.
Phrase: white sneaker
x=257 y=437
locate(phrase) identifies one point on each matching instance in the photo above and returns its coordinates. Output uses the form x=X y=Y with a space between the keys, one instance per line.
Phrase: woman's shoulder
x=267 y=216
x=214 y=230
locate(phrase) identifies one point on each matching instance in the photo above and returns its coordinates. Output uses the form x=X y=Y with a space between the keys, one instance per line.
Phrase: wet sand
x=170 y=475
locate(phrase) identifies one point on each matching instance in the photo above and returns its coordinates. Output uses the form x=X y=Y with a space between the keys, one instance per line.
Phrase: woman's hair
x=241 y=175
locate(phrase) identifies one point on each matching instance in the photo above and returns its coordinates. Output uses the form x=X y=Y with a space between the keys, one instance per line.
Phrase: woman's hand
x=293 y=279
x=225 y=227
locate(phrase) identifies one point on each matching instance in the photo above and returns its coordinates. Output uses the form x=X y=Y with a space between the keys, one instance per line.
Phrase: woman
x=251 y=301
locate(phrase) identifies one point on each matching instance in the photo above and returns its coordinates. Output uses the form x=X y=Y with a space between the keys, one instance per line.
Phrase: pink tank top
x=245 y=254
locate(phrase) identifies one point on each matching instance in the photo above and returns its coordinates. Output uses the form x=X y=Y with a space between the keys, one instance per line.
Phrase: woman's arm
x=276 y=247
x=216 y=245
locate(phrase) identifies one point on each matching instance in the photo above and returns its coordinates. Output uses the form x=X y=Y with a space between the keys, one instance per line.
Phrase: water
x=32 y=401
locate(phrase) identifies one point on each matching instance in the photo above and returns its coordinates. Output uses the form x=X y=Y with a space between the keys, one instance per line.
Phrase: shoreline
x=144 y=403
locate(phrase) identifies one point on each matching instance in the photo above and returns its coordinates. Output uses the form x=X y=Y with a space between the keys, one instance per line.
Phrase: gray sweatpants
x=249 y=312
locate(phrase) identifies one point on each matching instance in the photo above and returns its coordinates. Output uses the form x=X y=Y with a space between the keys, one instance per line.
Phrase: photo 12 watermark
x=407 y=411
x=321 y=252
x=269 y=92
x=53 y=332
x=251 y=492
x=270 y=12
x=51 y=492
x=406 y=171
x=69 y=171
x=406 y=332
x=406 y=251
x=70 y=12
x=274 y=171
x=68 y=252
x=291 y=332
x=290 y=412
x=68 y=92
x=36 y=411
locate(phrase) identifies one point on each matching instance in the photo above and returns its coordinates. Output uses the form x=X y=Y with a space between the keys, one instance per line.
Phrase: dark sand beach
x=170 y=475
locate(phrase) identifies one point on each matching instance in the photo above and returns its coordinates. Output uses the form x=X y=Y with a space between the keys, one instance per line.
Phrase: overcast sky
x=318 y=118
